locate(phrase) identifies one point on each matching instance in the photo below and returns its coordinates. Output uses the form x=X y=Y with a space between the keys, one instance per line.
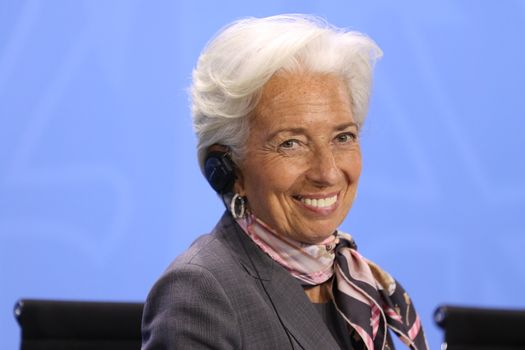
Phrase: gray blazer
x=225 y=293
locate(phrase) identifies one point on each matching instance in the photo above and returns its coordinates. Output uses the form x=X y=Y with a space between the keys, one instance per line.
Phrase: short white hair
x=235 y=65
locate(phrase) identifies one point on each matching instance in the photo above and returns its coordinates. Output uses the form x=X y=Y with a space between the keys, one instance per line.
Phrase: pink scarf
x=359 y=284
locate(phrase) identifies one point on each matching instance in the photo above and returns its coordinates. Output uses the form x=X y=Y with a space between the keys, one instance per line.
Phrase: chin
x=316 y=238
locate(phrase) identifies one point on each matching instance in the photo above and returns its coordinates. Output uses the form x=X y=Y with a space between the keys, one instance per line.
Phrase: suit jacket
x=224 y=292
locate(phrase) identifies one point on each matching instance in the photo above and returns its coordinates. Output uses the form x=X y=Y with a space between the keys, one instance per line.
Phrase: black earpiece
x=220 y=171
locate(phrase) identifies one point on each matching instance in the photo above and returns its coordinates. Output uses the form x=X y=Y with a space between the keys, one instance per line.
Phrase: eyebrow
x=301 y=130
x=346 y=126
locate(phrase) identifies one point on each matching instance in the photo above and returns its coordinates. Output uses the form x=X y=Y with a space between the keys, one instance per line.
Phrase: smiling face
x=302 y=160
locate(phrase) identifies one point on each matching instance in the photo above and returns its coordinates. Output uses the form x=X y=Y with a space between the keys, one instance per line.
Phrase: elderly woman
x=278 y=103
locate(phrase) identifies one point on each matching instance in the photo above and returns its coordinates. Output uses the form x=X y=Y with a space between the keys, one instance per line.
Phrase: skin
x=320 y=293
x=302 y=143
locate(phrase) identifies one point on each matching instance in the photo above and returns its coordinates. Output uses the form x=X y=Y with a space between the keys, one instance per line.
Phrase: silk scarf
x=366 y=296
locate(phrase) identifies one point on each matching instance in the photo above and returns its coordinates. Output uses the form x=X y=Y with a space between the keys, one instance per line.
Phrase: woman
x=278 y=103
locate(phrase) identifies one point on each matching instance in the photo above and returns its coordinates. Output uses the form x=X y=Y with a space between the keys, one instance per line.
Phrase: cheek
x=271 y=183
x=268 y=180
x=350 y=166
x=357 y=169
x=355 y=165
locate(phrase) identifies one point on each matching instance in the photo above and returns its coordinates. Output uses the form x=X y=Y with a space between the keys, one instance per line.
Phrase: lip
x=323 y=211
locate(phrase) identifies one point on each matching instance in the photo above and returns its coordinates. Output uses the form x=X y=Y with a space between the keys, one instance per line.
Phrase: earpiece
x=220 y=171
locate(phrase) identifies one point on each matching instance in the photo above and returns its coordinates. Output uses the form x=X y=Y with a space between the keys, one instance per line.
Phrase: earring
x=238 y=206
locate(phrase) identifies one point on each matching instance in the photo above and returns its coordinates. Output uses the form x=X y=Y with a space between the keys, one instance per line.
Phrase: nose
x=323 y=170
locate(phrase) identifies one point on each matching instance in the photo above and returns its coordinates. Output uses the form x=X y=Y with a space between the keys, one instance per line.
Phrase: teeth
x=319 y=203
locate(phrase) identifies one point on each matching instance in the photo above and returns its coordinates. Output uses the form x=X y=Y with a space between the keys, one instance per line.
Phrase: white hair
x=242 y=57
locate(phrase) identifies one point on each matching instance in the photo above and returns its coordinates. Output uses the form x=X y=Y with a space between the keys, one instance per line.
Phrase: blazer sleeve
x=188 y=309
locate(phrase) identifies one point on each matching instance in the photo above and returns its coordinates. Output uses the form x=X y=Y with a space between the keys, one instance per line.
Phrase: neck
x=319 y=294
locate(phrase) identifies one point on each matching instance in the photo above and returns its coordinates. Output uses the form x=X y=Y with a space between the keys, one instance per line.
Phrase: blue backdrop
x=99 y=183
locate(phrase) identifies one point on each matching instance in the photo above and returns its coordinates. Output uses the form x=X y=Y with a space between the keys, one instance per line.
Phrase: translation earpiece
x=219 y=170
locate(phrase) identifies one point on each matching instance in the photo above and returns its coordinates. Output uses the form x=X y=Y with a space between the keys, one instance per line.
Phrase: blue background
x=99 y=183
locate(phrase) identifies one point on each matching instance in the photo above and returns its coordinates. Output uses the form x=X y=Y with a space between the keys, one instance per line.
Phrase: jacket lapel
x=299 y=316
x=297 y=312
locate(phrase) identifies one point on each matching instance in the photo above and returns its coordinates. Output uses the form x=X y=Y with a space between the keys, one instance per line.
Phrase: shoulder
x=191 y=301
x=216 y=296
x=216 y=253
x=188 y=308
x=208 y=260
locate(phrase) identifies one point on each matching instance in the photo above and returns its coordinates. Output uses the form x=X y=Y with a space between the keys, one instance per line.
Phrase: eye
x=346 y=137
x=289 y=144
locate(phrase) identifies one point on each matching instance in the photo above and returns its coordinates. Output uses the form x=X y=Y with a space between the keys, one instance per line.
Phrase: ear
x=219 y=169
x=238 y=187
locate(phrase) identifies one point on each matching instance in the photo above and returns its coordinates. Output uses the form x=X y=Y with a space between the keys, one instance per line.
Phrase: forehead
x=299 y=97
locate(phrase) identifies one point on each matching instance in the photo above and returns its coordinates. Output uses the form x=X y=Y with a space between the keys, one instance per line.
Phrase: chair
x=469 y=328
x=80 y=325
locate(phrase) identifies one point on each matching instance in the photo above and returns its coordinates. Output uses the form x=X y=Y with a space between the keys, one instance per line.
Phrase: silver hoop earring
x=238 y=206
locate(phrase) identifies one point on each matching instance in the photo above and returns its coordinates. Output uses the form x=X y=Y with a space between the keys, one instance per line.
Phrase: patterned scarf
x=366 y=296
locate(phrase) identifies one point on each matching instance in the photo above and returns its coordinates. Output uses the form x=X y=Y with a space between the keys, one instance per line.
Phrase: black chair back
x=469 y=328
x=80 y=325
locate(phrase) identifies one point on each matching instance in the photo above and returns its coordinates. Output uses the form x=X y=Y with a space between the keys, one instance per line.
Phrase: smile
x=319 y=202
